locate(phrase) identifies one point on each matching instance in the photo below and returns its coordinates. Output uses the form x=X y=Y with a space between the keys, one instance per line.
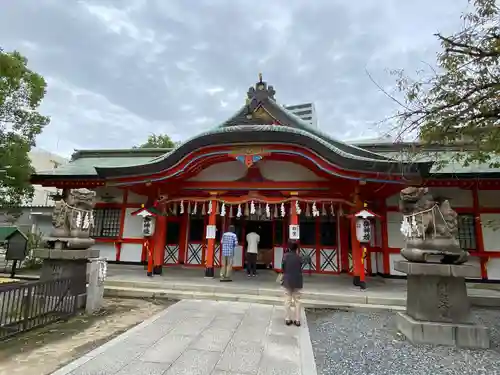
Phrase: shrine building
x=267 y=170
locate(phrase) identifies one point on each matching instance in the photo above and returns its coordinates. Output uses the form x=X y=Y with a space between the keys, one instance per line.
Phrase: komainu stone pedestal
x=437 y=306
x=68 y=263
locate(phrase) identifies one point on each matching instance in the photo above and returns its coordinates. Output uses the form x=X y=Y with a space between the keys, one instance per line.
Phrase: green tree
x=159 y=141
x=21 y=92
x=460 y=100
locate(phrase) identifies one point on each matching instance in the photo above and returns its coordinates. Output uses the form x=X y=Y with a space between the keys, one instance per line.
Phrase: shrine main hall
x=265 y=169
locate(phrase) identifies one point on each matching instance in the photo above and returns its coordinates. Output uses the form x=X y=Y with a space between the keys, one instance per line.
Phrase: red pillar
x=149 y=255
x=209 y=259
x=356 y=253
x=159 y=242
x=479 y=232
x=183 y=237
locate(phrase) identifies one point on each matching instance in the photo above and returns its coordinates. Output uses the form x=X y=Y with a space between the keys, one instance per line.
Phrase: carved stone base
x=68 y=254
x=59 y=268
x=69 y=242
x=437 y=301
x=66 y=264
x=437 y=292
x=418 y=251
x=437 y=333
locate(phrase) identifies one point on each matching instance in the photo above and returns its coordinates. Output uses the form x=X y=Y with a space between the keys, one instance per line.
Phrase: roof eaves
x=153 y=152
x=303 y=125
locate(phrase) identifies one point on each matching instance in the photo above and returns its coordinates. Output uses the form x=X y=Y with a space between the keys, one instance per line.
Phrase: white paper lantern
x=363 y=230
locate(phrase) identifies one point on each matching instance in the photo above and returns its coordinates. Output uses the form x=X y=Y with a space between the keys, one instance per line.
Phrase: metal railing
x=34 y=304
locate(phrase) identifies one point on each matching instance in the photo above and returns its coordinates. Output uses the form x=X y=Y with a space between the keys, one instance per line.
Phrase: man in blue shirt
x=229 y=242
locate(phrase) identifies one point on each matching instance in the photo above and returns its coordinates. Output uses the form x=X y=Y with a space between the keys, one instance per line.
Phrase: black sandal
x=297 y=323
x=288 y=322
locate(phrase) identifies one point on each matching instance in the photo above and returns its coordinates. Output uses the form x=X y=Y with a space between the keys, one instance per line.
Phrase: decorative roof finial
x=260 y=92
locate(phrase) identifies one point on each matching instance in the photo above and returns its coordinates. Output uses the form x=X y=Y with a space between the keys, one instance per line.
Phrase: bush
x=34 y=242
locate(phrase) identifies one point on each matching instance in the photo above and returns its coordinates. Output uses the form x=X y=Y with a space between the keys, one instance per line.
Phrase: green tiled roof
x=6 y=232
x=85 y=166
x=320 y=138
x=83 y=162
x=445 y=162
x=294 y=124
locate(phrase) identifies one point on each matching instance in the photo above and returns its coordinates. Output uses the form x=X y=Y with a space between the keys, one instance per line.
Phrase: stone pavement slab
x=203 y=337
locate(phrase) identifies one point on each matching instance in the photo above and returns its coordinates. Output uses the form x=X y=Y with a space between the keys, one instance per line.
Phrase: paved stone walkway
x=195 y=337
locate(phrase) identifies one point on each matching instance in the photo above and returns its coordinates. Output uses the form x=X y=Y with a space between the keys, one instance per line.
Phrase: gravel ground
x=347 y=342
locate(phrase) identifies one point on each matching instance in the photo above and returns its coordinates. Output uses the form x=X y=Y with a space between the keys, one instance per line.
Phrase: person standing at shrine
x=292 y=282
x=229 y=241
x=253 y=240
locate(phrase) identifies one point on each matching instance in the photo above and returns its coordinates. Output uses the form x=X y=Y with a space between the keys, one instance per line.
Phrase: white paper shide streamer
x=297 y=208
x=79 y=219
x=410 y=227
x=315 y=211
x=86 y=221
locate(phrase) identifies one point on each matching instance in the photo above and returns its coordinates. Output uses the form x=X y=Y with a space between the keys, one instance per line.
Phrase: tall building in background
x=305 y=112
x=42 y=160
x=36 y=214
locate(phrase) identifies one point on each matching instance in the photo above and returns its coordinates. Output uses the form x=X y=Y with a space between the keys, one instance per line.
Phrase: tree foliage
x=460 y=100
x=21 y=92
x=159 y=141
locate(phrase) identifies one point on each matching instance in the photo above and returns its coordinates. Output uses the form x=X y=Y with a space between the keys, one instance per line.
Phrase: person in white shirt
x=253 y=240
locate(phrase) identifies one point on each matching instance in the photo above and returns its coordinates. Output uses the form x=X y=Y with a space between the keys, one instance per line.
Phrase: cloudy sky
x=118 y=70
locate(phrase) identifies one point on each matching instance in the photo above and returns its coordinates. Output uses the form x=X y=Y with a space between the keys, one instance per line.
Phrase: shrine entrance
x=264 y=228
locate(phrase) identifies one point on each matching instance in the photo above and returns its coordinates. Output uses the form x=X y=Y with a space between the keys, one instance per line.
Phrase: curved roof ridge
x=279 y=128
x=326 y=137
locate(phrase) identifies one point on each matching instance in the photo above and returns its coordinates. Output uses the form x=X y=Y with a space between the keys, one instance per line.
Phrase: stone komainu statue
x=430 y=227
x=72 y=220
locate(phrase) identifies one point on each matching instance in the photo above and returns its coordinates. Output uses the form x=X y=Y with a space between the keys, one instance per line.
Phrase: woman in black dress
x=292 y=282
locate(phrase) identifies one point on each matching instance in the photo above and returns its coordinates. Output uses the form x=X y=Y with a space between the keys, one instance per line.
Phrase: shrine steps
x=126 y=292
x=273 y=296
x=347 y=298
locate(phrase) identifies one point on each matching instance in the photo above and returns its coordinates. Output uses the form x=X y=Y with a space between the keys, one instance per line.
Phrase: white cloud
x=214 y=90
x=88 y=120
x=118 y=71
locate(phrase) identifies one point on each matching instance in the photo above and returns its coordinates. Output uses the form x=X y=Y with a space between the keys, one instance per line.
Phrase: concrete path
x=202 y=337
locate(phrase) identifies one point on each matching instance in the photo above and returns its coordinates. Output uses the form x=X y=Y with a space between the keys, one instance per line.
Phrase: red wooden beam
x=237 y=185
x=479 y=231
